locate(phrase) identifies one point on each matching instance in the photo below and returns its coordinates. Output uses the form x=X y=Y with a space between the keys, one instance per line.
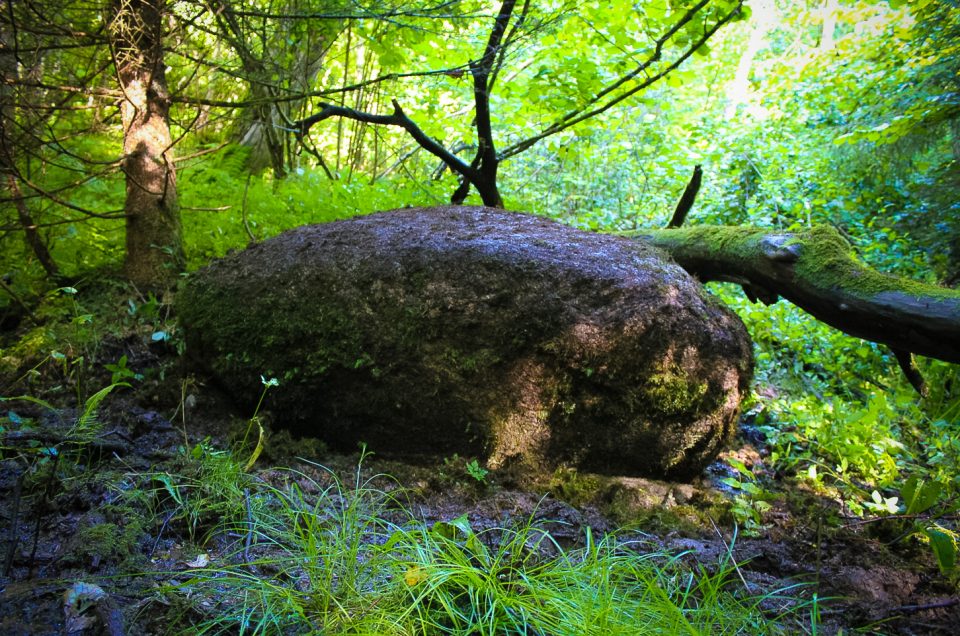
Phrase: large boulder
x=480 y=332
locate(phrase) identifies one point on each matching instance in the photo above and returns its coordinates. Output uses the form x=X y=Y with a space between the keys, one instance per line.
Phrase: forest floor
x=94 y=529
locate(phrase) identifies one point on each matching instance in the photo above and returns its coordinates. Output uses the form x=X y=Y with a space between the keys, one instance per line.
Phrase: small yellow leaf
x=415 y=574
x=258 y=449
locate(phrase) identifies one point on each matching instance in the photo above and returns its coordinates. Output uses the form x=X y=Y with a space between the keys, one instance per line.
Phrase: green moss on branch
x=817 y=270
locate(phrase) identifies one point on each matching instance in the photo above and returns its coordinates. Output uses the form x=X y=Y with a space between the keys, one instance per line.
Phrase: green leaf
x=739 y=466
x=929 y=496
x=169 y=486
x=944 y=547
x=256 y=451
x=732 y=482
x=454 y=529
x=908 y=492
x=87 y=422
x=920 y=495
x=29 y=398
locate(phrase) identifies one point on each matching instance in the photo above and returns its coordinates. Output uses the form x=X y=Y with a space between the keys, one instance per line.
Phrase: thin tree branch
x=575 y=117
x=397 y=118
x=481 y=74
x=428 y=12
x=112 y=214
x=910 y=371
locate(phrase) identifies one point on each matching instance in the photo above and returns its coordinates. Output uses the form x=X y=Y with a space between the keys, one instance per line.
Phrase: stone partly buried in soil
x=475 y=331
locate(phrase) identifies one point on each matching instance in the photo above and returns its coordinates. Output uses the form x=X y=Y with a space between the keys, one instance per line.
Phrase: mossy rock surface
x=479 y=332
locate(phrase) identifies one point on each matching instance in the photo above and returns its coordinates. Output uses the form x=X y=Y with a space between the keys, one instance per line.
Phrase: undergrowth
x=322 y=556
x=837 y=416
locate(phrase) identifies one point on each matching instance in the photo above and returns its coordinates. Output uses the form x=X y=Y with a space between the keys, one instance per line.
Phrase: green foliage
x=255 y=420
x=923 y=506
x=120 y=372
x=276 y=205
x=203 y=494
x=85 y=428
x=751 y=500
x=455 y=468
x=460 y=584
x=856 y=443
x=475 y=470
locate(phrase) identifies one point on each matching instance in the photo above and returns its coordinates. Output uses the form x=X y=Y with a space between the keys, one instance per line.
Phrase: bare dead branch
x=397 y=118
x=687 y=199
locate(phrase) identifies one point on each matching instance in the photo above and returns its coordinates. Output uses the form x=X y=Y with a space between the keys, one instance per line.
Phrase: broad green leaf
x=944 y=547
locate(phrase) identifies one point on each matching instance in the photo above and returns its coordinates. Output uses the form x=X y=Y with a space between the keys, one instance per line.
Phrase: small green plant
x=147 y=311
x=121 y=372
x=478 y=472
x=204 y=492
x=255 y=419
x=87 y=425
x=208 y=490
x=458 y=471
x=751 y=501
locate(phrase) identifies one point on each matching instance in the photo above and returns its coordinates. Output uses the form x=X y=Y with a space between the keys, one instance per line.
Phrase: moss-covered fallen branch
x=816 y=270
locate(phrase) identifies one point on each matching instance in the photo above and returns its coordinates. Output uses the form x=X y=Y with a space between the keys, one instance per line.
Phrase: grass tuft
x=317 y=555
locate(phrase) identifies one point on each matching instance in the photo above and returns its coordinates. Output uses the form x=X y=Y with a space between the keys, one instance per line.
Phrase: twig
x=119 y=433
x=596 y=106
x=924 y=516
x=51 y=438
x=200 y=153
x=397 y=118
x=188 y=208
x=316 y=153
x=163 y=526
x=729 y=547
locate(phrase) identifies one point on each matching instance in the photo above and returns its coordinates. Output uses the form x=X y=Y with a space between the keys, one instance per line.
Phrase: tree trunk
x=9 y=74
x=816 y=270
x=154 y=255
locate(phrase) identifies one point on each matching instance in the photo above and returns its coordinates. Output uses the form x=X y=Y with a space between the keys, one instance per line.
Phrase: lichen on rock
x=479 y=332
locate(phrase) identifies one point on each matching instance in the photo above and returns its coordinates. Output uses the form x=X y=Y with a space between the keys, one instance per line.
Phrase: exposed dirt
x=96 y=513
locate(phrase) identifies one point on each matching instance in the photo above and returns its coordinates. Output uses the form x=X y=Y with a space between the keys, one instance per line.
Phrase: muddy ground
x=94 y=510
